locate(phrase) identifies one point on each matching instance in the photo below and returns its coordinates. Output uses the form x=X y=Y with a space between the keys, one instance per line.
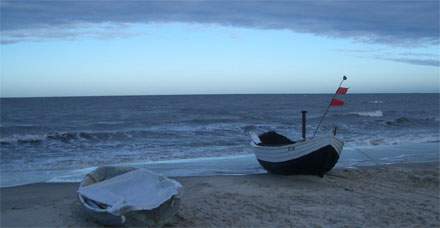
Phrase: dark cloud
x=101 y=31
x=409 y=57
x=423 y=62
x=392 y=22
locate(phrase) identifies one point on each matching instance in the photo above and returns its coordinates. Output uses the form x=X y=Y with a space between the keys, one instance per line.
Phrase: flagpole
x=329 y=105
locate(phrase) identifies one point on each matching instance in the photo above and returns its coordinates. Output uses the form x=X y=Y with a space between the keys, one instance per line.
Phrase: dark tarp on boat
x=271 y=138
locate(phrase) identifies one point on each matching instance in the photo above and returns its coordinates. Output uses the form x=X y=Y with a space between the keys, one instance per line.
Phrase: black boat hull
x=317 y=162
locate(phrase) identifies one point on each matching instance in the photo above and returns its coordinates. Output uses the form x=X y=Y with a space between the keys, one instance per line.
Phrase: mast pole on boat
x=304 y=113
x=329 y=105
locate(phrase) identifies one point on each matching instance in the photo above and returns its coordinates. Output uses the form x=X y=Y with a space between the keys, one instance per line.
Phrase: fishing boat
x=116 y=196
x=315 y=156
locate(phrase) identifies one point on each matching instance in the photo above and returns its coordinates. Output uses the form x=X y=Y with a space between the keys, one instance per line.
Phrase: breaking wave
x=377 y=113
x=22 y=139
x=163 y=131
x=398 y=121
x=397 y=140
x=406 y=121
x=376 y=102
x=67 y=137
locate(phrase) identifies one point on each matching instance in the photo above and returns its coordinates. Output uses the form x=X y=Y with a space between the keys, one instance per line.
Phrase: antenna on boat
x=333 y=102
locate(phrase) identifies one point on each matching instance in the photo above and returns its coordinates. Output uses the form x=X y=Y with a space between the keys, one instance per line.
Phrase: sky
x=98 y=47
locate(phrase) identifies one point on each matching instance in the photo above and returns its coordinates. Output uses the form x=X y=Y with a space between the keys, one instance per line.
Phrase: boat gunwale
x=298 y=143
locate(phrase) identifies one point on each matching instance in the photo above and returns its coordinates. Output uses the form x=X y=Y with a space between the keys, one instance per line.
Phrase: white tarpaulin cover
x=135 y=190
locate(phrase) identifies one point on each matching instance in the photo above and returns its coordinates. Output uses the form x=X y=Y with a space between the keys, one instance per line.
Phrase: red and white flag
x=336 y=102
x=341 y=91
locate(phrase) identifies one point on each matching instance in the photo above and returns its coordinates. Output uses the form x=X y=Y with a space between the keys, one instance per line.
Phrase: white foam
x=72 y=176
x=225 y=165
x=377 y=113
x=190 y=160
x=26 y=137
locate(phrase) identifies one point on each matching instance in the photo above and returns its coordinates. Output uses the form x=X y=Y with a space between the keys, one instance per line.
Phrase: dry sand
x=397 y=195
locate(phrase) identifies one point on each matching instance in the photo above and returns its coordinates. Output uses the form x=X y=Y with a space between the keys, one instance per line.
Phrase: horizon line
x=212 y=94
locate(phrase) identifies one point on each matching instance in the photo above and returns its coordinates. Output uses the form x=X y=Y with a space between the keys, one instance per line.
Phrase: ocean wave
x=404 y=140
x=406 y=121
x=375 y=102
x=67 y=137
x=109 y=123
x=377 y=113
x=398 y=121
x=379 y=140
x=160 y=131
x=22 y=139
x=212 y=120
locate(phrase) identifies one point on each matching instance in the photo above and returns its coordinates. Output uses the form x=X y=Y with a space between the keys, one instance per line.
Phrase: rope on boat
x=369 y=158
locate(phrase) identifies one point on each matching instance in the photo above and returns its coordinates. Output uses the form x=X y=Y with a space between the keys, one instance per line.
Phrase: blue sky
x=187 y=53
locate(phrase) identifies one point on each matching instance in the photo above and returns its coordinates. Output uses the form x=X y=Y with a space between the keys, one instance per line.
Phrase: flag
x=341 y=91
x=336 y=102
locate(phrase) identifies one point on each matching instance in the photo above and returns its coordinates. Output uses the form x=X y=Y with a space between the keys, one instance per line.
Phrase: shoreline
x=241 y=164
x=366 y=166
x=384 y=195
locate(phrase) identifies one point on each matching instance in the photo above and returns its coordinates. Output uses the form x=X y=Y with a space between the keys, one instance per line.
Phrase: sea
x=60 y=139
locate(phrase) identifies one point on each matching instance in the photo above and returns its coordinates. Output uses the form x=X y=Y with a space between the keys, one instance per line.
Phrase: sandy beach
x=395 y=195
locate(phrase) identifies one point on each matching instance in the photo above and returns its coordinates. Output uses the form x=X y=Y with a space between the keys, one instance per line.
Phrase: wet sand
x=381 y=196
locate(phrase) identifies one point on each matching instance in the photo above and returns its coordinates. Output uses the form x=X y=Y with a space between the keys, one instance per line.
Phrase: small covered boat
x=126 y=195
